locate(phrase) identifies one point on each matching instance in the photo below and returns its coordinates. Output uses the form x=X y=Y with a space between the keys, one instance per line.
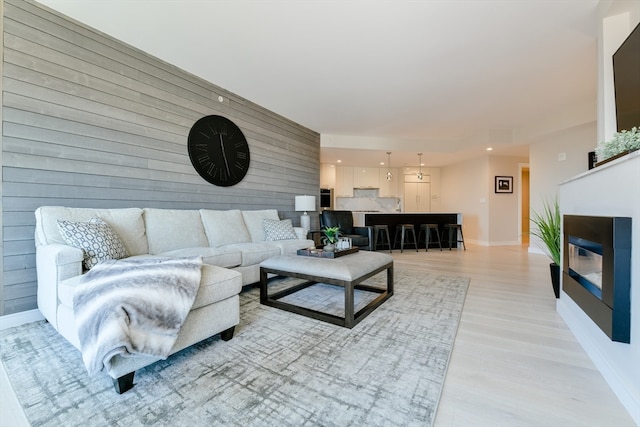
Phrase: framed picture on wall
x=504 y=184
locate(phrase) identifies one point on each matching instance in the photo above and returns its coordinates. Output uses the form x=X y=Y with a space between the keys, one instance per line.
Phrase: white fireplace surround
x=612 y=189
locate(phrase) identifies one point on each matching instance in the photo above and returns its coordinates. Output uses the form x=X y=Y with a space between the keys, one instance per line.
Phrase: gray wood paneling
x=88 y=121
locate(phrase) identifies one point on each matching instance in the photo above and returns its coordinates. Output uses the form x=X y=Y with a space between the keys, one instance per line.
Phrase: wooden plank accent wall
x=88 y=121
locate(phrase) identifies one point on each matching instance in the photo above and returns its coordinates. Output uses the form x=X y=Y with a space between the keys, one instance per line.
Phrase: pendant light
x=420 y=166
x=389 y=174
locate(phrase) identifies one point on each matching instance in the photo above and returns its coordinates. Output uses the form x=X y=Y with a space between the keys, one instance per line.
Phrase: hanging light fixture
x=389 y=174
x=420 y=166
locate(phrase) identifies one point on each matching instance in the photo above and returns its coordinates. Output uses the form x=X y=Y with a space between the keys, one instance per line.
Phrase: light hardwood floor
x=514 y=363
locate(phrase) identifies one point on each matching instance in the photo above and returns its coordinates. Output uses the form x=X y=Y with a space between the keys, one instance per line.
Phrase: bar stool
x=455 y=228
x=428 y=229
x=402 y=231
x=381 y=231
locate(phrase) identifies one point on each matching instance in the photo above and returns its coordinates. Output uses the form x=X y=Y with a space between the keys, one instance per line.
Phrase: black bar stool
x=428 y=229
x=381 y=231
x=405 y=231
x=455 y=228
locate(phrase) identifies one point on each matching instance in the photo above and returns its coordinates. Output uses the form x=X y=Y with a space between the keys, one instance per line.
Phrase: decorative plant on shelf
x=547 y=229
x=330 y=238
x=622 y=142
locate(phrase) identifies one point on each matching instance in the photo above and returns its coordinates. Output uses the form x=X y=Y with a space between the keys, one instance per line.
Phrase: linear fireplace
x=597 y=270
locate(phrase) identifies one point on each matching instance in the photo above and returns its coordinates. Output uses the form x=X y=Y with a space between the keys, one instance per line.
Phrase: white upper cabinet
x=388 y=188
x=344 y=181
x=327 y=176
x=366 y=177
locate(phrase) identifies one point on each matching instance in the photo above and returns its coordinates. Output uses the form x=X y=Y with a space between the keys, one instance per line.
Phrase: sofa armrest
x=55 y=263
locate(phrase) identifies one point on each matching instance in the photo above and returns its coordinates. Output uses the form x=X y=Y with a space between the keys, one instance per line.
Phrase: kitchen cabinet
x=388 y=188
x=327 y=176
x=365 y=177
x=417 y=197
x=344 y=181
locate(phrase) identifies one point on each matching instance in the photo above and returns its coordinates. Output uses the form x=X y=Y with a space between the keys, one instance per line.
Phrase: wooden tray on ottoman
x=319 y=253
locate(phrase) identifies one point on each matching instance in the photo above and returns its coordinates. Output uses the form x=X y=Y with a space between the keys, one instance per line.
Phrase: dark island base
x=393 y=219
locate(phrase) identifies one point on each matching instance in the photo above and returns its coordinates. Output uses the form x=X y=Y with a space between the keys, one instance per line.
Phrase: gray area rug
x=280 y=369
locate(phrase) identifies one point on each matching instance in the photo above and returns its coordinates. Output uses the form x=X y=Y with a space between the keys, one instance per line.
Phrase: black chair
x=361 y=237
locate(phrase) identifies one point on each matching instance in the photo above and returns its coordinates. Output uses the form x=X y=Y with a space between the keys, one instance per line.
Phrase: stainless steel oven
x=326 y=198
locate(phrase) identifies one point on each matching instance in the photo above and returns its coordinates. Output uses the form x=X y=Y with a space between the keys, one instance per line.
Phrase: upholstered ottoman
x=348 y=271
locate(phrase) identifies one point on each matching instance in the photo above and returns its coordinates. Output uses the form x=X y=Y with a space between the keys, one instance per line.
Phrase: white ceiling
x=442 y=77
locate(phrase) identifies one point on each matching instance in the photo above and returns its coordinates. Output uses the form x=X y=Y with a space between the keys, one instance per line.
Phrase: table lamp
x=305 y=204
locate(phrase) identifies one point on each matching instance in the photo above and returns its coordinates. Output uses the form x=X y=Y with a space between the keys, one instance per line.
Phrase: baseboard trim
x=567 y=309
x=17 y=319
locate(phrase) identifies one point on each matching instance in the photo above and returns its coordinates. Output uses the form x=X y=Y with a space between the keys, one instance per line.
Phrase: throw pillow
x=278 y=230
x=96 y=238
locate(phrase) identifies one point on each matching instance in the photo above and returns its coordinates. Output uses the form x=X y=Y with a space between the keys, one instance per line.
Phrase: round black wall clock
x=218 y=150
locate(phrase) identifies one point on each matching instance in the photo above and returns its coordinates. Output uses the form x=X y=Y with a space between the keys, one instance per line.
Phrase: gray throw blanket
x=132 y=307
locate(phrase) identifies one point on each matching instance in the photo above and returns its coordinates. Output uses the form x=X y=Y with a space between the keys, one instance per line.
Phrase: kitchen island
x=392 y=219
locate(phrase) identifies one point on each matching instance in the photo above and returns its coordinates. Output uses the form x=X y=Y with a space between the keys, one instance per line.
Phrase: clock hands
x=224 y=155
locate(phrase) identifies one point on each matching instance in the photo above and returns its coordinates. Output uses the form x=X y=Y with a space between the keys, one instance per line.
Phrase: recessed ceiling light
x=381 y=163
x=489 y=148
x=339 y=161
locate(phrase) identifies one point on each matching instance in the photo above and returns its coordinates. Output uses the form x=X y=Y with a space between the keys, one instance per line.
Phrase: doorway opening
x=523 y=204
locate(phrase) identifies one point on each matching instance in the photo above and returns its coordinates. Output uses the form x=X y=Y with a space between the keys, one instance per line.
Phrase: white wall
x=465 y=189
x=503 y=207
x=468 y=187
x=547 y=171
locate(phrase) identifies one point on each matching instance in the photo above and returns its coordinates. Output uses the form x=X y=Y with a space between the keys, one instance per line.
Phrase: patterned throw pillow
x=96 y=238
x=278 y=230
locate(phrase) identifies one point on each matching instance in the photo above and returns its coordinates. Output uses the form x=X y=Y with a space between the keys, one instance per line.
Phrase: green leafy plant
x=331 y=234
x=620 y=143
x=547 y=228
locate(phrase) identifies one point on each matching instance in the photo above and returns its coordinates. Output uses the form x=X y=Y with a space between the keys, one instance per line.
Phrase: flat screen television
x=626 y=79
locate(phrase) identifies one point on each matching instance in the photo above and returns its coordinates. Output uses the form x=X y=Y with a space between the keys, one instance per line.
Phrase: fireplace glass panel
x=585 y=263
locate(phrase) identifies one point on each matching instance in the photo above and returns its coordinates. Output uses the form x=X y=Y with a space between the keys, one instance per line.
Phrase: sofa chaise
x=231 y=244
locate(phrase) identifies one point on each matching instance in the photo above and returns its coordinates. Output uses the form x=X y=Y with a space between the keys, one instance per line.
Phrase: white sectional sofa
x=232 y=245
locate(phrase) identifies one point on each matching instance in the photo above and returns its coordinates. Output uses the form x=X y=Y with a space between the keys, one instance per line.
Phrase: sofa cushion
x=224 y=227
x=96 y=238
x=278 y=230
x=127 y=223
x=255 y=253
x=253 y=220
x=216 y=284
x=222 y=257
x=170 y=229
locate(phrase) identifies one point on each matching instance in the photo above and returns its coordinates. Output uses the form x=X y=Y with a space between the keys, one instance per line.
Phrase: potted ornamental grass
x=621 y=143
x=547 y=229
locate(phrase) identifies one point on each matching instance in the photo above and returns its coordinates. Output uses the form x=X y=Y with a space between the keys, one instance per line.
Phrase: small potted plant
x=547 y=229
x=623 y=142
x=330 y=238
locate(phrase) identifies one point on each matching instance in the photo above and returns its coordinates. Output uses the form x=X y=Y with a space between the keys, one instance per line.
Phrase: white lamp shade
x=305 y=203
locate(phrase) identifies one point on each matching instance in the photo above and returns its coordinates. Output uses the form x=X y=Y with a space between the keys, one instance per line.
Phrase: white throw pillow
x=253 y=221
x=96 y=238
x=278 y=230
